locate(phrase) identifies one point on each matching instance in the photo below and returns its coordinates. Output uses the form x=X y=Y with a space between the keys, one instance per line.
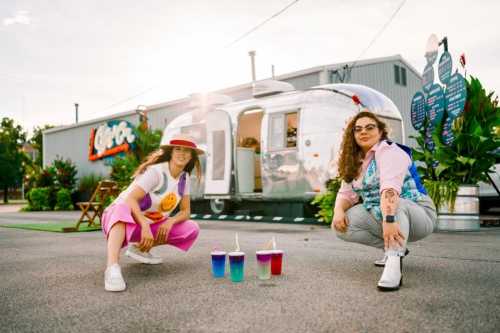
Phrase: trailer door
x=219 y=153
x=282 y=176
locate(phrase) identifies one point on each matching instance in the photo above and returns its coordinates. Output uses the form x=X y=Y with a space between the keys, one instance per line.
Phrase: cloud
x=21 y=17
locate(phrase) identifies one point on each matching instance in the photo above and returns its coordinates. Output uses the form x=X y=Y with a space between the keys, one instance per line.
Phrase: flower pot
x=465 y=216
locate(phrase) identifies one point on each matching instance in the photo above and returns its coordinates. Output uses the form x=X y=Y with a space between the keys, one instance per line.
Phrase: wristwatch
x=390 y=219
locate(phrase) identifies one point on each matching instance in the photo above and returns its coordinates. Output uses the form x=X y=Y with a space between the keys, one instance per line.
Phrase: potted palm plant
x=452 y=170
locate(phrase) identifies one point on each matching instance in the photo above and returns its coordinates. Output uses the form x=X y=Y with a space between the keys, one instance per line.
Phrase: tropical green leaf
x=440 y=168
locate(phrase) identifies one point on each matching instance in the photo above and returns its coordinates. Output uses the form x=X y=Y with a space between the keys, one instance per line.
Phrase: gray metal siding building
x=392 y=76
x=73 y=141
x=379 y=74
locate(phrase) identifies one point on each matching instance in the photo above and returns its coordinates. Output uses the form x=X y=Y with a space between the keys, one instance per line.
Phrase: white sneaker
x=143 y=257
x=392 y=277
x=113 y=279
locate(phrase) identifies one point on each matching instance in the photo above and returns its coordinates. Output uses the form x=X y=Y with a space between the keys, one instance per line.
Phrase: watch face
x=389 y=218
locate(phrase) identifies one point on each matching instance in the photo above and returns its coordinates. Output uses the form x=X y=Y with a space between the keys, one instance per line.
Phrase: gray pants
x=416 y=221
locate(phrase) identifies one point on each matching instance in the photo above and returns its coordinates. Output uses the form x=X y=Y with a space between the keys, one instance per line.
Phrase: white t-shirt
x=161 y=187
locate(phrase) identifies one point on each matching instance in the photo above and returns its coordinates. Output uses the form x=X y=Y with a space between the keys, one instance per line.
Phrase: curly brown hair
x=164 y=154
x=351 y=155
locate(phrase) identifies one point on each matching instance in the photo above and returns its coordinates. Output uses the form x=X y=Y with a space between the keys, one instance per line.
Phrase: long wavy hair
x=164 y=154
x=351 y=155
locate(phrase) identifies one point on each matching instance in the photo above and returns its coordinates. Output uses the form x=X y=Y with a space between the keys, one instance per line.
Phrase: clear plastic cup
x=276 y=262
x=263 y=264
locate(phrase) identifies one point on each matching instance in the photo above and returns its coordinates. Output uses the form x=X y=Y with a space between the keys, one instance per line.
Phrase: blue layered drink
x=218 y=264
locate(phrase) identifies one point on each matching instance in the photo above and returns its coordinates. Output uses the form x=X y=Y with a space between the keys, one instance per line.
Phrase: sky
x=110 y=56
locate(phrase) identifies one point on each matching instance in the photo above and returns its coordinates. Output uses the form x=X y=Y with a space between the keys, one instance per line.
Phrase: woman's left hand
x=392 y=235
x=163 y=231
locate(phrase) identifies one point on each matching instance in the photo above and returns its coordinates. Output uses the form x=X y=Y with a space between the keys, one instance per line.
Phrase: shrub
x=325 y=201
x=31 y=175
x=39 y=199
x=65 y=173
x=63 y=200
x=46 y=177
x=122 y=170
x=89 y=182
x=61 y=174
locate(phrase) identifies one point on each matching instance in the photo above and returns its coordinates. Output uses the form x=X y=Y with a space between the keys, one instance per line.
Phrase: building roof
x=317 y=69
x=359 y=63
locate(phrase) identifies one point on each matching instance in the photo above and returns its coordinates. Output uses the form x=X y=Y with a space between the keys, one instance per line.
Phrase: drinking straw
x=274 y=243
x=237 y=243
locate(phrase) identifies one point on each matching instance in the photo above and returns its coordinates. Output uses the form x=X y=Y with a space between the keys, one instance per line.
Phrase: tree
x=12 y=138
x=37 y=142
x=146 y=141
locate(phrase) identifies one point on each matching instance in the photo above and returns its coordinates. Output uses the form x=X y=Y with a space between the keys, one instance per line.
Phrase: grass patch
x=52 y=227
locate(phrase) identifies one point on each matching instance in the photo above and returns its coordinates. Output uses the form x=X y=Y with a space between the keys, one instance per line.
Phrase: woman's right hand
x=339 y=221
x=147 y=239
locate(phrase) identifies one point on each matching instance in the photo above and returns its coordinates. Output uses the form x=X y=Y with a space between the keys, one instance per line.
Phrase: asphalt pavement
x=53 y=282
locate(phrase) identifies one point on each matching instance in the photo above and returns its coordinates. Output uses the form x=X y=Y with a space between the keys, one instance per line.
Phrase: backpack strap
x=413 y=168
x=181 y=186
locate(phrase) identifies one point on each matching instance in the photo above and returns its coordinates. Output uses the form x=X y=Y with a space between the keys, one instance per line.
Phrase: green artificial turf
x=53 y=227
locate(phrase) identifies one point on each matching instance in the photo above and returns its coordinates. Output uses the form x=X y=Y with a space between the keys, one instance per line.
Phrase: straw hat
x=182 y=140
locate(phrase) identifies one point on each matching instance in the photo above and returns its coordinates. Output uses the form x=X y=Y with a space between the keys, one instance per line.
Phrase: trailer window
x=283 y=130
x=291 y=129
x=277 y=129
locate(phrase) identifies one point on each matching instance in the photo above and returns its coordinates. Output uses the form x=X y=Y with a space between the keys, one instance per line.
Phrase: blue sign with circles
x=418 y=110
x=435 y=104
x=444 y=67
x=447 y=133
x=428 y=138
x=455 y=95
x=428 y=77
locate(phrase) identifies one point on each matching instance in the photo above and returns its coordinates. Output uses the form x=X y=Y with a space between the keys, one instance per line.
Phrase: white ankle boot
x=381 y=262
x=391 y=278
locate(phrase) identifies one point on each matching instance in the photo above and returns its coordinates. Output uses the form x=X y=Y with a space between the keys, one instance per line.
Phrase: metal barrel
x=465 y=216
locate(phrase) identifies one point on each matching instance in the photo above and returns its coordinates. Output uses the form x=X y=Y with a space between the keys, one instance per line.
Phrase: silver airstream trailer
x=276 y=151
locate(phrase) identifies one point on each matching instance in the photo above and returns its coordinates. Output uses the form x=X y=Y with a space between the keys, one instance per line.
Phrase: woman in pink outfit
x=140 y=217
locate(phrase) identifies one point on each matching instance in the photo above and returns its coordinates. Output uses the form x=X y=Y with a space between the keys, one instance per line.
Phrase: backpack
x=413 y=168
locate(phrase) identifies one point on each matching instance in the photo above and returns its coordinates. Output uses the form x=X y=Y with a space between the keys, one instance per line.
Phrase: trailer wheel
x=219 y=206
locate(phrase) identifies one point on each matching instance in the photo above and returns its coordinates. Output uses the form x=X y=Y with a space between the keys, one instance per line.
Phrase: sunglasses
x=368 y=128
